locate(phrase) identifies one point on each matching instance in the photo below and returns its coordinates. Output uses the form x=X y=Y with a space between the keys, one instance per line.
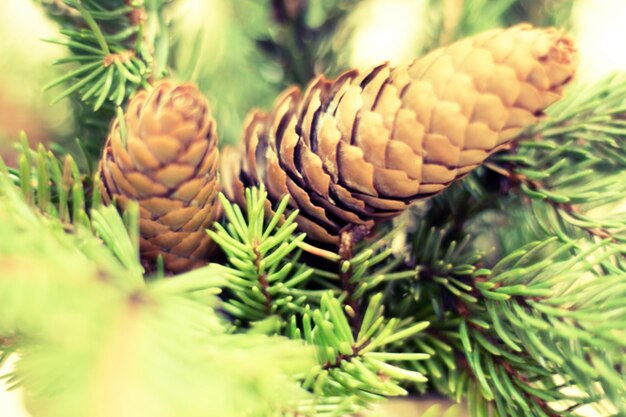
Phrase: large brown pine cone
x=363 y=147
x=167 y=160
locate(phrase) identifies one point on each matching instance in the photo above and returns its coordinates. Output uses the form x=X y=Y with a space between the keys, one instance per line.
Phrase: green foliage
x=108 y=48
x=55 y=187
x=574 y=163
x=269 y=53
x=300 y=36
x=356 y=364
x=533 y=323
x=374 y=265
x=353 y=362
x=115 y=48
x=480 y=15
x=264 y=276
x=206 y=31
x=121 y=338
x=436 y=410
x=452 y=20
x=59 y=191
x=269 y=274
x=527 y=328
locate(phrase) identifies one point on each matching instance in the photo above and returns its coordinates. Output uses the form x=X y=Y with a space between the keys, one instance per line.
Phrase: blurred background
x=222 y=45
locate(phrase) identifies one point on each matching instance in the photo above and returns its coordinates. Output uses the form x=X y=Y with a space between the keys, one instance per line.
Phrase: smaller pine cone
x=361 y=148
x=167 y=161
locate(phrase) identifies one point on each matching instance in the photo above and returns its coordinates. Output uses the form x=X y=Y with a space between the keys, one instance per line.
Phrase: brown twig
x=348 y=239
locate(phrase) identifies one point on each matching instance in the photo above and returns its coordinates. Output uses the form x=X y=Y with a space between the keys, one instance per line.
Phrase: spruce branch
x=30 y=234
x=320 y=407
x=122 y=337
x=543 y=329
x=56 y=187
x=59 y=191
x=357 y=275
x=115 y=48
x=524 y=325
x=436 y=410
x=352 y=365
x=66 y=197
x=265 y=277
x=350 y=342
x=121 y=236
x=108 y=50
x=574 y=162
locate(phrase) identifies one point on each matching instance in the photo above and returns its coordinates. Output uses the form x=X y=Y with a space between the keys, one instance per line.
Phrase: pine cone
x=363 y=147
x=168 y=162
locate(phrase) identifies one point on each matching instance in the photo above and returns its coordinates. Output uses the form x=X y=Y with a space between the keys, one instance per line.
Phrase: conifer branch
x=513 y=340
x=559 y=160
x=114 y=49
x=301 y=37
x=108 y=48
x=117 y=334
x=56 y=187
x=356 y=365
x=264 y=275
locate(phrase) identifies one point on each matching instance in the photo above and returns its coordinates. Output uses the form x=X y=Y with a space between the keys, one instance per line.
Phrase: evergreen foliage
x=92 y=335
x=506 y=292
x=116 y=47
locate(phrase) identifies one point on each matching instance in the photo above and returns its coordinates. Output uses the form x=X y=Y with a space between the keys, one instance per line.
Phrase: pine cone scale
x=340 y=212
x=163 y=148
x=194 y=154
x=142 y=157
x=381 y=208
x=185 y=246
x=159 y=206
x=204 y=195
x=311 y=210
x=313 y=173
x=354 y=172
x=278 y=180
x=121 y=183
x=188 y=191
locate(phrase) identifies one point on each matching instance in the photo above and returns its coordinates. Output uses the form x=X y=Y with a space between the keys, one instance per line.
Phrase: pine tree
x=488 y=266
